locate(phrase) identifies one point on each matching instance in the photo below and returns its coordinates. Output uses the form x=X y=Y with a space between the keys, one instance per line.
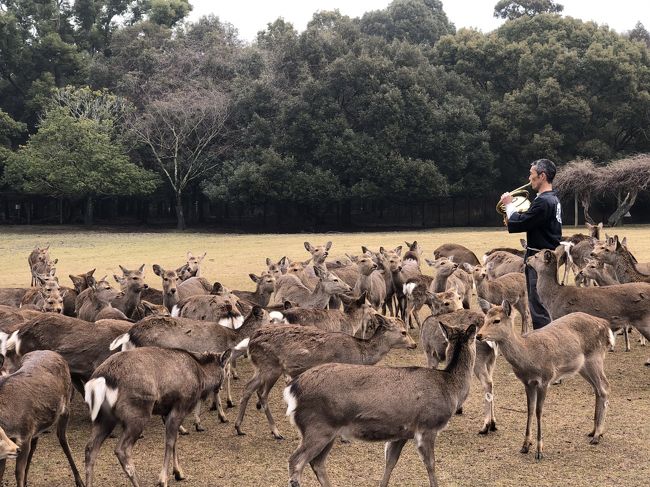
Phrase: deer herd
x=321 y=323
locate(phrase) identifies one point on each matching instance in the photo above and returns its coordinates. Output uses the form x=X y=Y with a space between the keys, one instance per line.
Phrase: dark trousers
x=538 y=313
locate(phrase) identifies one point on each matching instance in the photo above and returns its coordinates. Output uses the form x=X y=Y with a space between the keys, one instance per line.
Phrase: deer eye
x=497 y=321
x=403 y=333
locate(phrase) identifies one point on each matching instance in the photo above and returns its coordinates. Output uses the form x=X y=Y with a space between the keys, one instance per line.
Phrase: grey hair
x=545 y=166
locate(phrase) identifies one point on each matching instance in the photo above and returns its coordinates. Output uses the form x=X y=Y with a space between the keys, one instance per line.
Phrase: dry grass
x=219 y=458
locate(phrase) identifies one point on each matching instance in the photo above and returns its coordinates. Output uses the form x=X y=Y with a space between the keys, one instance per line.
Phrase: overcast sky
x=251 y=16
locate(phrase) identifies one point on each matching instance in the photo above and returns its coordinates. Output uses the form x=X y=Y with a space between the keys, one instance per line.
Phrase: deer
x=132 y=386
x=80 y=283
x=192 y=268
x=33 y=399
x=417 y=294
x=456 y=253
x=82 y=344
x=276 y=269
x=400 y=272
x=621 y=259
x=451 y=275
x=622 y=305
x=97 y=304
x=264 y=287
x=597 y=271
x=414 y=252
x=134 y=287
x=382 y=259
x=510 y=286
x=192 y=335
x=357 y=315
x=390 y=404
x=370 y=281
x=500 y=263
x=328 y=286
x=40 y=263
x=292 y=349
x=435 y=347
x=347 y=273
x=575 y=343
x=174 y=290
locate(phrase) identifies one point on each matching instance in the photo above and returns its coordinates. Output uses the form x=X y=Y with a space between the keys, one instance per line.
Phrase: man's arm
x=522 y=222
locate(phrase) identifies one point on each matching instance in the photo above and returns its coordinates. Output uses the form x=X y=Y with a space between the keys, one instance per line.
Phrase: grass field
x=218 y=458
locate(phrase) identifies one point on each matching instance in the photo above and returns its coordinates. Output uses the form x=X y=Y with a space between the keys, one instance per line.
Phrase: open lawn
x=218 y=458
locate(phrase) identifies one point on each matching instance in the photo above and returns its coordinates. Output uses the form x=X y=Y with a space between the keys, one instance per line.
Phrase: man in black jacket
x=543 y=226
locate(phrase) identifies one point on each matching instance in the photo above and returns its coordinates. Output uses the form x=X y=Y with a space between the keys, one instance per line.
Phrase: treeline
x=115 y=97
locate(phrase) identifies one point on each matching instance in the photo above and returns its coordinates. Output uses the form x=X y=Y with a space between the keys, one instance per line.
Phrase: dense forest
x=125 y=98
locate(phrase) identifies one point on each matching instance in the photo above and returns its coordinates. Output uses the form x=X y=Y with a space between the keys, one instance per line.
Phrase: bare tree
x=579 y=178
x=185 y=131
x=626 y=177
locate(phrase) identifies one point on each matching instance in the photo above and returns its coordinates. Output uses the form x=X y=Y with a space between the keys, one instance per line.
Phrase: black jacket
x=542 y=222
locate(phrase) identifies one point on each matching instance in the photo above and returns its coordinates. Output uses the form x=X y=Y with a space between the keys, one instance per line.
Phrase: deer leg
x=253 y=385
x=312 y=444
x=392 y=451
x=522 y=307
x=178 y=471
x=425 y=443
x=229 y=403
x=541 y=396
x=124 y=448
x=3 y=464
x=171 y=434
x=485 y=377
x=21 y=461
x=593 y=373
x=626 y=334
x=531 y=400
x=100 y=431
x=318 y=465
x=267 y=384
x=61 y=434
x=233 y=369
x=220 y=411
x=32 y=449
x=197 y=416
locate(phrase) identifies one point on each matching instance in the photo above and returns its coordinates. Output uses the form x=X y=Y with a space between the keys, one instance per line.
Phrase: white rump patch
x=176 y=311
x=292 y=403
x=418 y=438
x=12 y=343
x=243 y=345
x=123 y=341
x=96 y=392
x=277 y=317
x=408 y=288
x=232 y=323
x=3 y=342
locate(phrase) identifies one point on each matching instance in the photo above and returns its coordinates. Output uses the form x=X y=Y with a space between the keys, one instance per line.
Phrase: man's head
x=542 y=172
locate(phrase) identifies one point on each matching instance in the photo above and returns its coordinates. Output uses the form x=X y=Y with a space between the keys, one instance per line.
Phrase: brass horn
x=519 y=199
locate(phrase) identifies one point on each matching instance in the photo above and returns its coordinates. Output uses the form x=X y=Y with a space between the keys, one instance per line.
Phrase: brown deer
x=401 y=272
x=390 y=404
x=40 y=263
x=175 y=290
x=456 y=253
x=370 y=281
x=33 y=399
x=291 y=349
x=500 y=263
x=97 y=304
x=435 y=345
x=621 y=259
x=357 y=315
x=597 y=271
x=192 y=268
x=575 y=343
x=511 y=287
x=132 y=386
x=621 y=305
x=451 y=275
x=294 y=291
x=264 y=287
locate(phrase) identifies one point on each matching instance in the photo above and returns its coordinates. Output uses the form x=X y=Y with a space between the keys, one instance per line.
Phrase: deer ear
x=308 y=247
x=158 y=270
x=76 y=280
x=362 y=298
x=398 y=250
x=467 y=267
x=407 y=244
x=523 y=243
x=90 y=273
x=253 y=277
x=288 y=305
x=547 y=256
x=189 y=255
x=600 y=225
x=471 y=331
x=257 y=311
x=328 y=245
x=203 y=256
x=63 y=293
x=124 y=271
x=624 y=242
x=429 y=261
x=507 y=309
x=141 y=268
x=268 y=262
x=364 y=249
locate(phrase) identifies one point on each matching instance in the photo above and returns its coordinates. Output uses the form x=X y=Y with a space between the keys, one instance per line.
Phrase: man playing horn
x=543 y=226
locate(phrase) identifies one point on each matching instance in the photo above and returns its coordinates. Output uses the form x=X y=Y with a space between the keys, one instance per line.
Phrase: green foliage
x=514 y=9
x=168 y=12
x=75 y=157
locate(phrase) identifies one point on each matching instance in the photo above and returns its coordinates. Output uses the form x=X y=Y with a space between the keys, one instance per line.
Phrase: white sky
x=251 y=16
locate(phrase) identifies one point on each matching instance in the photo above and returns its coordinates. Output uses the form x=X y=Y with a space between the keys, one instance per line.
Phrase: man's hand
x=506 y=198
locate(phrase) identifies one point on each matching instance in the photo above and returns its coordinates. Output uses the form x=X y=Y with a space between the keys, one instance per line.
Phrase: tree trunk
x=575 y=210
x=60 y=211
x=180 y=216
x=585 y=209
x=623 y=207
x=88 y=213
